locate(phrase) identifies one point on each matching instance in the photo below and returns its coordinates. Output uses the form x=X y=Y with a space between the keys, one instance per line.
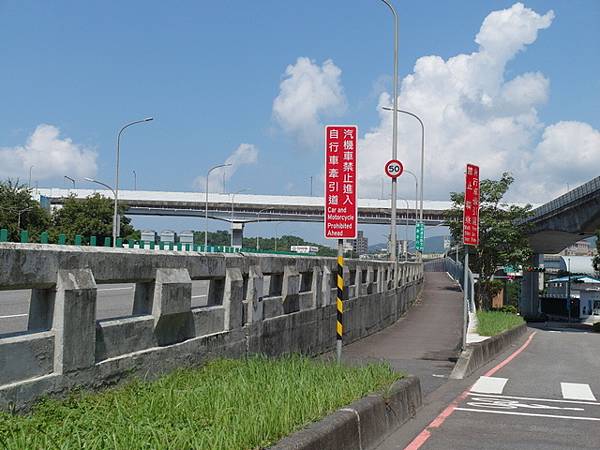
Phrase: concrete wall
x=67 y=347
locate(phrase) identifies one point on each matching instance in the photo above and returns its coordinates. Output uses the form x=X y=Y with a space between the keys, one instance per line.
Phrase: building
x=559 y=287
x=360 y=245
x=581 y=248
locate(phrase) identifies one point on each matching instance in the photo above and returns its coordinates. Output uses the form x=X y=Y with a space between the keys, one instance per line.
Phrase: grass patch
x=491 y=323
x=226 y=404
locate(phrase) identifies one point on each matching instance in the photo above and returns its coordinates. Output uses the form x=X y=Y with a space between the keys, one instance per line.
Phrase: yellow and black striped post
x=340 y=299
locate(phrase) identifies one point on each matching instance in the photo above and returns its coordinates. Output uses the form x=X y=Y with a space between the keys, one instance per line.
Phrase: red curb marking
x=422 y=437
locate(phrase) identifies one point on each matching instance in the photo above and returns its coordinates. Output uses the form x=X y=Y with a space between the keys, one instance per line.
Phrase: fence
x=94 y=241
x=254 y=304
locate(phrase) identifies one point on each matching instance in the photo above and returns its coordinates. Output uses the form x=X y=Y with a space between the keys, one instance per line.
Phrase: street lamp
x=19 y=212
x=116 y=191
x=134 y=181
x=206 y=206
x=232 y=203
x=405 y=231
x=416 y=192
x=115 y=215
x=258 y=234
x=393 y=255
x=72 y=180
x=29 y=184
x=422 y=148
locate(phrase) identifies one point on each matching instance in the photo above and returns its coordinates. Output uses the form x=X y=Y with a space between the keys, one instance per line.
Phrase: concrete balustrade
x=256 y=304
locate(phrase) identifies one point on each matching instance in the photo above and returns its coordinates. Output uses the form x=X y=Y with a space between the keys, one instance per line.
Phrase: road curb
x=362 y=425
x=478 y=354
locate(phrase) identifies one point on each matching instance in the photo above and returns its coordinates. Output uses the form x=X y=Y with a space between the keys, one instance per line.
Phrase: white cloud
x=308 y=94
x=473 y=114
x=243 y=155
x=49 y=154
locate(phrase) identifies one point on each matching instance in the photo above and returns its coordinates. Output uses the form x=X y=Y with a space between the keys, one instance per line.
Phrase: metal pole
x=393 y=254
x=29 y=184
x=569 y=290
x=416 y=193
x=422 y=150
x=311 y=191
x=71 y=179
x=134 y=181
x=116 y=191
x=340 y=300
x=466 y=296
x=206 y=204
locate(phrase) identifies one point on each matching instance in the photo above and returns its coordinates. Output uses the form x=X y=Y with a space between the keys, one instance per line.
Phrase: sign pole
x=340 y=300
x=465 y=295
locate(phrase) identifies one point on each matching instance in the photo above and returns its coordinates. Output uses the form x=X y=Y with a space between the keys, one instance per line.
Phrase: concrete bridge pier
x=530 y=305
x=237 y=231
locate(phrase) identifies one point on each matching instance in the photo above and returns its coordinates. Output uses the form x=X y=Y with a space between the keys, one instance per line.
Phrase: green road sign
x=419 y=236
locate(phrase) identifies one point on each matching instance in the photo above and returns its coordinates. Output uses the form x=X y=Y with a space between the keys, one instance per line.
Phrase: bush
x=596 y=327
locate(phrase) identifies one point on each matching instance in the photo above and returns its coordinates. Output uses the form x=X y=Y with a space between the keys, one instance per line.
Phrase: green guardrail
x=93 y=241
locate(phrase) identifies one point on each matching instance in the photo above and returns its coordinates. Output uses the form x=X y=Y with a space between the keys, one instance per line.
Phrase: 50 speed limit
x=394 y=168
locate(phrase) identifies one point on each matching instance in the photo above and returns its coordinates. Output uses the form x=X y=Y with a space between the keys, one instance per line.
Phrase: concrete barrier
x=362 y=425
x=269 y=305
x=478 y=354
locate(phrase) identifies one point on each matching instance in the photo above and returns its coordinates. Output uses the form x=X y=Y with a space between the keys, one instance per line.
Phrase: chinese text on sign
x=471 y=212
x=340 y=182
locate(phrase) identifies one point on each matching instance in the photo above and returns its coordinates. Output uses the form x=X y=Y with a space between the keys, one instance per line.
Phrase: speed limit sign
x=394 y=168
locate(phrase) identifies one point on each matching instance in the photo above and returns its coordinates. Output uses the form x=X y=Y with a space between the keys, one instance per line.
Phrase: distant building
x=559 y=287
x=360 y=245
x=581 y=248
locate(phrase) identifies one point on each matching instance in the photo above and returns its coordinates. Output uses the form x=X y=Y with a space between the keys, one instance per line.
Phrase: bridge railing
x=254 y=304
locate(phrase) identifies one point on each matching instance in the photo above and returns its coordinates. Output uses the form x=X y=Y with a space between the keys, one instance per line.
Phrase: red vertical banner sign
x=341 y=209
x=471 y=211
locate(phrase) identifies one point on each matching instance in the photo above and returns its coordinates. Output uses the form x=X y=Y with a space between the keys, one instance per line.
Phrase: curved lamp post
x=116 y=214
x=416 y=193
x=72 y=180
x=206 y=204
x=393 y=255
x=422 y=150
x=116 y=191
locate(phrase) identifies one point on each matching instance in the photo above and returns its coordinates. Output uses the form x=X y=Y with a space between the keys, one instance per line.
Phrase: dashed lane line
x=13 y=315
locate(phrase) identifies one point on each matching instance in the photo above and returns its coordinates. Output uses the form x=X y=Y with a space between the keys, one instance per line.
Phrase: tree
x=502 y=239
x=92 y=216
x=18 y=211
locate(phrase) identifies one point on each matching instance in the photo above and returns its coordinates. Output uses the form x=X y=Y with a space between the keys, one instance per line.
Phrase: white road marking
x=438 y=376
x=511 y=413
x=198 y=296
x=489 y=385
x=116 y=289
x=577 y=391
x=536 y=399
x=13 y=315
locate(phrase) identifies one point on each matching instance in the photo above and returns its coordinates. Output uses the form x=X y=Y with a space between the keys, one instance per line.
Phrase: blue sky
x=209 y=72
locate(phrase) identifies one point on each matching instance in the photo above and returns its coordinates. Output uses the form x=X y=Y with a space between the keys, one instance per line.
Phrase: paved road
x=114 y=300
x=426 y=341
x=547 y=397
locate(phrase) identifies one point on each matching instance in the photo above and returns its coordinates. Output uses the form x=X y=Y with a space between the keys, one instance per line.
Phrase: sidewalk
x=426 y=341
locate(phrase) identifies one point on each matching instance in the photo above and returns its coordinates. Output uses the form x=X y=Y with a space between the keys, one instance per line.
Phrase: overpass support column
x=237 y=232
x=530 y=296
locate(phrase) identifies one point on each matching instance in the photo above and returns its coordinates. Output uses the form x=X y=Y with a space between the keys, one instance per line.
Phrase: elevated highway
x=247 y=207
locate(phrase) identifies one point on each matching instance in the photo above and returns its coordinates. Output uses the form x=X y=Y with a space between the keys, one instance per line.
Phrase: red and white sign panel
x=341 y=214
x=394 y=168
x=471 y=212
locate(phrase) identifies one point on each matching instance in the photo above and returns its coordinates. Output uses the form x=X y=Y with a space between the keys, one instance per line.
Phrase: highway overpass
x=247 y=207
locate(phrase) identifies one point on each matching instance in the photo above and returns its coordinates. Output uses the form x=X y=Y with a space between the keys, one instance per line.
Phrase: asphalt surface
x=114 y=300
x=547 y=397
x=426 y=341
